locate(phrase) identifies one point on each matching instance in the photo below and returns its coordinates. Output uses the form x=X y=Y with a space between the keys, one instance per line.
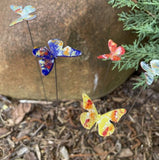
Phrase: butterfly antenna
x=141 y=90
x=44 y=91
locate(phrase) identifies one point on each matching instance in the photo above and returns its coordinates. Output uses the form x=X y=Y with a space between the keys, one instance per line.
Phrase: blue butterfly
x=48 y=55
x=25 y=13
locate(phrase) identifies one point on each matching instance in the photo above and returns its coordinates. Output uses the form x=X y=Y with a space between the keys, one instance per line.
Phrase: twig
x=34 y=102
x=21 y=138
x=41 y=126
x=105 y=153
x=5 y=135
x=70 y=117
x=133 y=103
x=133 y=135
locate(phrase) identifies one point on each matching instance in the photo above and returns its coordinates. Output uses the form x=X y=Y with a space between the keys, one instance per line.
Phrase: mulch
x=53 y=132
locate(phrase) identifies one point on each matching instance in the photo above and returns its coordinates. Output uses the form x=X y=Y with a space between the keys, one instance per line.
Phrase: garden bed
x=45 y=132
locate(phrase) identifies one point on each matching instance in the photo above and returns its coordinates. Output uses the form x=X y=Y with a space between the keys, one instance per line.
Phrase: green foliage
x=140 y=82
x=142 y=18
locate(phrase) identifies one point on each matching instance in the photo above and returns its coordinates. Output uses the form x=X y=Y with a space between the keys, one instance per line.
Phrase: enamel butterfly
x=152 y=71
x=104 y=121
x=48 y=55
x=115 y=52
x=25 y=13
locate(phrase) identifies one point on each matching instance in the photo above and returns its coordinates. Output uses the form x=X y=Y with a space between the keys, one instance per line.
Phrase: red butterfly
x=115 y=52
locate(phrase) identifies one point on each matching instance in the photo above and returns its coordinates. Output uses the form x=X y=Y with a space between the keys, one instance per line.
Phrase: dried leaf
x=3 y=131
x=117 y=99
x=126 y=152
x=19 y=112
x=30 y=156
x=22 y=151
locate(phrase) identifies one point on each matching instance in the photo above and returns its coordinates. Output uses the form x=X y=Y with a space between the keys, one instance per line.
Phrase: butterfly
x=48 y=55
x=25 y=13
x=152 y=71
x=115 y=52
x=104 y=121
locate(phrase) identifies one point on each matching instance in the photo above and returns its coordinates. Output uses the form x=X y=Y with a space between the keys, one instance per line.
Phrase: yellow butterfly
x=105 y=126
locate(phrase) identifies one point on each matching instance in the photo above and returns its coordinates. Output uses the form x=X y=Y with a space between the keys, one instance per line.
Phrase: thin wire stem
x=141 y=90
x=126 y=115
x=44 y=91
x=107 y=71
x=56 y=81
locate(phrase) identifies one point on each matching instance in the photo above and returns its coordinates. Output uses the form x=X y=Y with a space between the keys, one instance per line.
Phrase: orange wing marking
x=66 y=52
x=88 y=104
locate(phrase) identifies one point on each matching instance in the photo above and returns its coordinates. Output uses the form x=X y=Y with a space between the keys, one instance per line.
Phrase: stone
x=83 y=25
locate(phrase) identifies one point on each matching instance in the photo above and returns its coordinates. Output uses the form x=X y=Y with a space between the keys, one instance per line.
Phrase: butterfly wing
x=88 y=119
x=20 y=19
x=149 y=75
x=29 y=17
x=112 y=46
x=42 y=53
x=119 y=51
x=46 y=66
x=104 y=56
x=115 y=52
x=155 y=66
x=17 y=9
x=109 y=56
x=149 y=78
x=26 y=11
x=146 y=67
x=88 y=104
x=56 y=46
x=47 y=61
x=105 y=127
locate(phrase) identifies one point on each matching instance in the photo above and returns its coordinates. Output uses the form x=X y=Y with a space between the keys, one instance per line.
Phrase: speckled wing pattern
x=56 y=46
x=47 y=61
x=150 y=71
x=48 y=55
x=115 y=52
x=24 y=13
x=88 y=119
x=105 y=127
